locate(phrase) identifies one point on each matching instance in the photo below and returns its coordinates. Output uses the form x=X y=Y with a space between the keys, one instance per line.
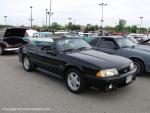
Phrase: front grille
x=124 y=70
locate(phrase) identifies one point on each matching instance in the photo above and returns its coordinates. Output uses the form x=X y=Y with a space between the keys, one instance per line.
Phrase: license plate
x=129 y=79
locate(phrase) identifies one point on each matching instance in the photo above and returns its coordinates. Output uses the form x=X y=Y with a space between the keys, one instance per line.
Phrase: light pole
x=5 y=19
x=50 y=13
x=102 y=20
x=31 y=19
x=69 y=20
x=141 y=22
x=74 y=21
x=46 y=17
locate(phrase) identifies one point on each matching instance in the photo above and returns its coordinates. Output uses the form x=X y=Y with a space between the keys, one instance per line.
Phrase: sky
x=82 y=11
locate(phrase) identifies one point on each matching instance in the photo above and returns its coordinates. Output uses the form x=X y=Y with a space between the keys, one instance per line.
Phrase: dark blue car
x=117 y=45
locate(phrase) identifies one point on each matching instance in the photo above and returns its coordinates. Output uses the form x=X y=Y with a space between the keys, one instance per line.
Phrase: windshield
x=73 y=44
x=124 y=42
x=133 y=39
x=36 y=35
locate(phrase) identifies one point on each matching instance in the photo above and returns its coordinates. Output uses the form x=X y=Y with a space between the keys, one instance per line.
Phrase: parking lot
x=20 y=89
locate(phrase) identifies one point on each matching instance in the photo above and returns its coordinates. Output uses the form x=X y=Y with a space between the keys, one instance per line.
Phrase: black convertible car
x=74 y=60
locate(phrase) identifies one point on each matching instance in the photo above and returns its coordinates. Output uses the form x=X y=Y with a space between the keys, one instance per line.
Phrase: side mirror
x=116 y=48
x=52 y=50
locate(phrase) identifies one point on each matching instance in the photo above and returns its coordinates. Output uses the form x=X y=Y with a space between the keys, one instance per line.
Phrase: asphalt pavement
x=39 y=92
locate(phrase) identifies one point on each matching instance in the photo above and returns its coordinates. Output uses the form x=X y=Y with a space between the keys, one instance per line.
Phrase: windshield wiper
x=125 y=46
x=82 y=48
x=133 y=46
x=68 y=50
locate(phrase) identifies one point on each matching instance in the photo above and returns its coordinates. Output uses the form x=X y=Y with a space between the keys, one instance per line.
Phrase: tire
x=75 y=81
x=139 y=66
x=1 y=50
x=27 y=64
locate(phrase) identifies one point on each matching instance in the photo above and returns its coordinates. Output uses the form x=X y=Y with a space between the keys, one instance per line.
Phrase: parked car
x=132 y=39
x=39 y=36
x=139 y=37
x=146 y=42
x=140 y=54
x=86 y=34
x=12 y=39
x=42 y=34
x=74 y=60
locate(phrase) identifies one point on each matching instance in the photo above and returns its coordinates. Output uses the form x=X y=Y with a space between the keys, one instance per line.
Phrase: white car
x=139 y=37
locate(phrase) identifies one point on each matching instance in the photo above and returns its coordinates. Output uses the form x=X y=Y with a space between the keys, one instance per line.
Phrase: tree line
x=120 y=27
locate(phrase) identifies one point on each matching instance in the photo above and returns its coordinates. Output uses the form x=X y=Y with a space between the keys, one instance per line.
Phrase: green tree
x=5 y=26
x=121 y=26
x=90 y=27
x=110 y=28
x=72 y=27
x=36 y=27
x=142 y=30
x=133 y=29
x=56 y=26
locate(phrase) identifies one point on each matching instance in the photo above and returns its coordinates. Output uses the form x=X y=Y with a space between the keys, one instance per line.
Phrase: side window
x=107 y=43
x=35 y=36
x=42 y=43
x=94 y=42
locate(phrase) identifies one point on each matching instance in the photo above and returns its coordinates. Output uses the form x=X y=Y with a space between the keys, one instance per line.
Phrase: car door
x=32 y=52
x=108 y=45
x=48 y=61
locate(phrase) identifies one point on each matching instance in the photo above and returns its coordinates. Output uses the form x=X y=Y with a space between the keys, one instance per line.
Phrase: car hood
x=100 y=59
x=143 y=48
x=140 y=49
x=15 y=32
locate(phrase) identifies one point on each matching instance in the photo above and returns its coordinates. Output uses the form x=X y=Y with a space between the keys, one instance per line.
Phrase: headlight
x=131 y=66
x=107 y=73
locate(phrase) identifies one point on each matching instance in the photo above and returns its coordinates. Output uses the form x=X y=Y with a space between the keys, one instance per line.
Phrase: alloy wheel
x=73 y=81
x=1 y=50
x=137 y=66
x=26 y=63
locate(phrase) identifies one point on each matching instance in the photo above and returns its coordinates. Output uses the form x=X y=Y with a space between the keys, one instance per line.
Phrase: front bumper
x=11 y=49
x=110 y=83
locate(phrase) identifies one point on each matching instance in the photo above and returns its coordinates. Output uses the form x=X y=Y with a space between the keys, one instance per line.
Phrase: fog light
x=110 y=86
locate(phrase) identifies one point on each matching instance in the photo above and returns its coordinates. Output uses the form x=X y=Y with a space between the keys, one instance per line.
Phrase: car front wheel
x=1 y=50
x=139 y=66
x=28 y=66
x=75 y=81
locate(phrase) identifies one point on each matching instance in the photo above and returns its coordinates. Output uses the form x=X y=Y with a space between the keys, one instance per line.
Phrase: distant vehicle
x=30 y=32
x=140 y=54
x=39 y=36
x=43 y=34
x=131 y=38
x=145 y=42
x=87 y=36
x=117 y=34
x=78 y=64
x=12 y=39
x=61 y=32
x=139 y=37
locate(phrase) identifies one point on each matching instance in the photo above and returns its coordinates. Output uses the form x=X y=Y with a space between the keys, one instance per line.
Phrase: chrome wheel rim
x=26 y=63
x=137 y=67
x=73 y=81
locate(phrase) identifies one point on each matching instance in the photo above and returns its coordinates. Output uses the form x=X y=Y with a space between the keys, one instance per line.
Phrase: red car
x=12 y=39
